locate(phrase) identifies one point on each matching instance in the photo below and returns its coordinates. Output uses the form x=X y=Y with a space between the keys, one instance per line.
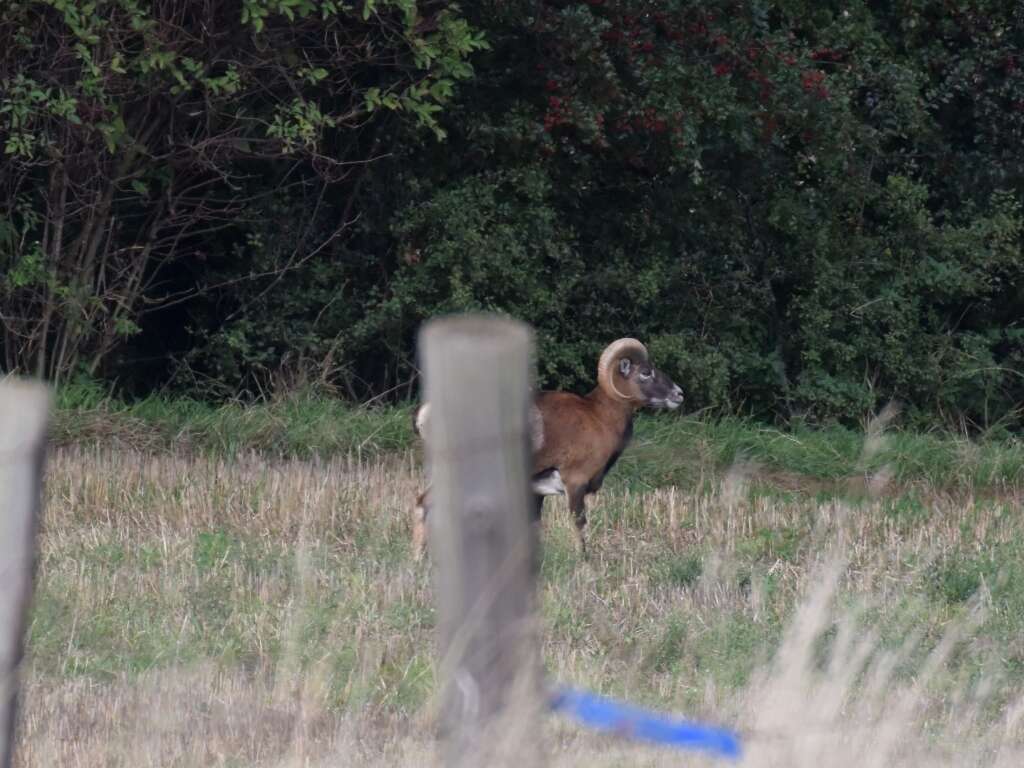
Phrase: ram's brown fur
x=582 y=436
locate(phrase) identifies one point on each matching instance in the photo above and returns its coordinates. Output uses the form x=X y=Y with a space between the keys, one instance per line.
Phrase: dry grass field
x=254 y=611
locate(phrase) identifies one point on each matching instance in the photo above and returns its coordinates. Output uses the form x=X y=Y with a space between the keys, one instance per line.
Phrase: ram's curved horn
x=609 y=360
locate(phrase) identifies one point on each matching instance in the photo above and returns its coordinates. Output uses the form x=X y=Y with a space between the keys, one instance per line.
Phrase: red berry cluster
x=813 y=81
x=640 y=40
x=649 y=120
x=558 y=113
x=828 y=54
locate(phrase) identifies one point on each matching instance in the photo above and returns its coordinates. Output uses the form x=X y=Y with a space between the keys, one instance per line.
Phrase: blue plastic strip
x=606 y=715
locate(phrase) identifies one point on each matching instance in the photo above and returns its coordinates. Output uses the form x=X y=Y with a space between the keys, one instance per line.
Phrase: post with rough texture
x=478 y=375
x=24 y=408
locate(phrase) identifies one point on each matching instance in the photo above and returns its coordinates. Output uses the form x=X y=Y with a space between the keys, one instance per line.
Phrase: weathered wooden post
x=478 y=373
x=24 y=409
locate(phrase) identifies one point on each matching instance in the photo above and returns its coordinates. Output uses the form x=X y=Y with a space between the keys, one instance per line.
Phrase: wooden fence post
x=478 y=375
x=24 y=409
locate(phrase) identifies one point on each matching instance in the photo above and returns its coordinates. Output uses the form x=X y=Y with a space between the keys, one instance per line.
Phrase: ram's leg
x=419 y=526
x=578 y=506
x=535 y=533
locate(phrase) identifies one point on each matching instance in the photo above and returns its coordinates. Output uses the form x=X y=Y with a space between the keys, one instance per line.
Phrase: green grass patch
x=771 y=544
x=996 y=575
x=296 y=426
x=668 y=449
x=678 y=570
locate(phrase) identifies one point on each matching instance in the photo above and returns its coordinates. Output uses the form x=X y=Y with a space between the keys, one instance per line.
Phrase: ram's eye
x=646 y=376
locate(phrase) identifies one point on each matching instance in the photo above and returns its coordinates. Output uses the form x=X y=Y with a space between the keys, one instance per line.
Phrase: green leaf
x=441 y=90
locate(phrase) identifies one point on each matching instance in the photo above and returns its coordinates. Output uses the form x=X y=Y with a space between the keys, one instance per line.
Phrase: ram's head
x=625 y=373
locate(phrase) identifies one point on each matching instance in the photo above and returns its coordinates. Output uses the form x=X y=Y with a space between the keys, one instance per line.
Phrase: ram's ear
x=625 y=366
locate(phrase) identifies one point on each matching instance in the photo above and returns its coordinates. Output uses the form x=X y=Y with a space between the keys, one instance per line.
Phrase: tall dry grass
x=197 y=611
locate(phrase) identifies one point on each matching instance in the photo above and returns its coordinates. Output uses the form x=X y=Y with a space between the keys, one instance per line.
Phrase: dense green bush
x=805 y=209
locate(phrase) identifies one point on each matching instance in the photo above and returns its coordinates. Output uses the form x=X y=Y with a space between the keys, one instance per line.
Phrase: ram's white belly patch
x=548 y=485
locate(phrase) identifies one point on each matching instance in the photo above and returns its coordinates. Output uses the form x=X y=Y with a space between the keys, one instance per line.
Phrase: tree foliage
x=805 y=209
x=135 y=134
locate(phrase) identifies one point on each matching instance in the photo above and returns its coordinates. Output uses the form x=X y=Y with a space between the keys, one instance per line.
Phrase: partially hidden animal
x=576 y=439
